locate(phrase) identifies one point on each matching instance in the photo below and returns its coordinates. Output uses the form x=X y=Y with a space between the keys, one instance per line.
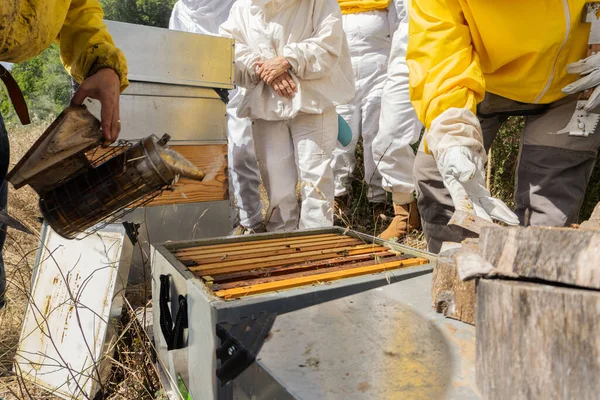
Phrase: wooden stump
x=451 y=296
x=537 y=341
x=594 y=221
x=564 y=255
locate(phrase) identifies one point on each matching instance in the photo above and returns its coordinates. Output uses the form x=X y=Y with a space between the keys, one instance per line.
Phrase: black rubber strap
x=166 y=322
x=181 y=323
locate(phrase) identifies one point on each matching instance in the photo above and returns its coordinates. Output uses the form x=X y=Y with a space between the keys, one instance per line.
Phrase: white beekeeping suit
x=205 y=17
x=399 y=128
x=369 y=27
x=295 y=136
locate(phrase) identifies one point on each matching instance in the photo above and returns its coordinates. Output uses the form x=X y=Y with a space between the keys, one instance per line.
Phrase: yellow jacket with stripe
x=459 y=49
x=28 y=27
x=358 y=6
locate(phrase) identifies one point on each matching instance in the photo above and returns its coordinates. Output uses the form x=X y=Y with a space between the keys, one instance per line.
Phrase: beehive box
x=235 y=280
x=235 y=270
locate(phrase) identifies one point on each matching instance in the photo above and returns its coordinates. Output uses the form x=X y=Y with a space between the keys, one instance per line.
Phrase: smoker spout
x=179 y=164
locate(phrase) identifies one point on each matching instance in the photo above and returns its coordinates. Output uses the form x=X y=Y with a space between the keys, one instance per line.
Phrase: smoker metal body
x=197 y=364
x=174 y=82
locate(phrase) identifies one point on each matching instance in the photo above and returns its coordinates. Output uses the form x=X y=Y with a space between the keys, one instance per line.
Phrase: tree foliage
x=45 y=85
x=141 y=12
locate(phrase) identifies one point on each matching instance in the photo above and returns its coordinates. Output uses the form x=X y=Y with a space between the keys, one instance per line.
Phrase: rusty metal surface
x=76 y=291
x=59 y=151
x=386 y=343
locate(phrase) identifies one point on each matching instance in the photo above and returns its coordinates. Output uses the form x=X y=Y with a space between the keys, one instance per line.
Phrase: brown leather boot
x=406 y=219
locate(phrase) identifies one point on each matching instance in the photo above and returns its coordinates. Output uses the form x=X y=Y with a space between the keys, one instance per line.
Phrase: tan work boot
x=406 y=218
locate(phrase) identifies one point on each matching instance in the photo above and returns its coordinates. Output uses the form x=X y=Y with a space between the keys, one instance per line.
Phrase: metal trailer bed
x=385 y=343
x=368 y=336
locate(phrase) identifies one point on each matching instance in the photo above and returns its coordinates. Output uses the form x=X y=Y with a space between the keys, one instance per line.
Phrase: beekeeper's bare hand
x=104 y=86
x=284 y=85
x=273 y=68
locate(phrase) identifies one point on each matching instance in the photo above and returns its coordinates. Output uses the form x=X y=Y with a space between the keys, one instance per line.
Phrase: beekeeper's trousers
x=292 y=151
x=552 y=172
x=244 y=176
x=369 y=41
x=399 y=126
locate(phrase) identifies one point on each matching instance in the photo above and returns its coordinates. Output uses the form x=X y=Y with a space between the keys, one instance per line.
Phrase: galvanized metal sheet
x=386 y=343
x=179 y=58
x=174 y=223
x=76 y=292
x=187 y=114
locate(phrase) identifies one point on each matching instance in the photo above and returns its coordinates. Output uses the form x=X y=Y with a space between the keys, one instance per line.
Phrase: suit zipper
x=562 y=46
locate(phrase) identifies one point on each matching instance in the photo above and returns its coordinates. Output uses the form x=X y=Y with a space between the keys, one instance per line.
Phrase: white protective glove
x=462 y=172
x=455 y=140
x=590 y=68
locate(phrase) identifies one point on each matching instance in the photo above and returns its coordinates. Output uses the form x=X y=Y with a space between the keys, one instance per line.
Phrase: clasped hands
x=274 y=72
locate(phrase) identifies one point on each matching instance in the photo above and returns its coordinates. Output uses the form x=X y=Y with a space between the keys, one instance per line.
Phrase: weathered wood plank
x=451 y=296
x=594 y=221
x=537 y=341
x=308 y=272
x=241 y=255
x=564 y=255
x=258 y=247
x=259 y=243
x=308 y=280
x=248 y=267
x=269 y=271
x=296 y=256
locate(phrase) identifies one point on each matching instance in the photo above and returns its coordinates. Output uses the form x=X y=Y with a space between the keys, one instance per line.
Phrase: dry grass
x=19 y=254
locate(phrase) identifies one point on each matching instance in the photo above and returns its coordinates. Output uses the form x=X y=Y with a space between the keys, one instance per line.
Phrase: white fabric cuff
x=455 y=127
x=401 y=199
x=291 y=57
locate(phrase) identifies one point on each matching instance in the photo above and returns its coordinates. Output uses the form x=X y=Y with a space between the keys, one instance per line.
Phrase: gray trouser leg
x=434 y=201
x=552 y=175
x=553 y=170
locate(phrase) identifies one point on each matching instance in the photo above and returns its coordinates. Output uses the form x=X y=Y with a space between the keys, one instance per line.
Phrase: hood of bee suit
x=273 y=4
x=199 y=8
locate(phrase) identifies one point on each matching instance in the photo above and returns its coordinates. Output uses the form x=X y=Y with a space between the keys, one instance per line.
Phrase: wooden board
x=255 y=253
x=564 y=255
x=308 y=280
x=281 y=260
x=293 y=268
x=212 y=160
x=271 y=263
x=331 y=267
x=537 y=341
x=451 y=296
x=594 y=221
x=264 y=244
